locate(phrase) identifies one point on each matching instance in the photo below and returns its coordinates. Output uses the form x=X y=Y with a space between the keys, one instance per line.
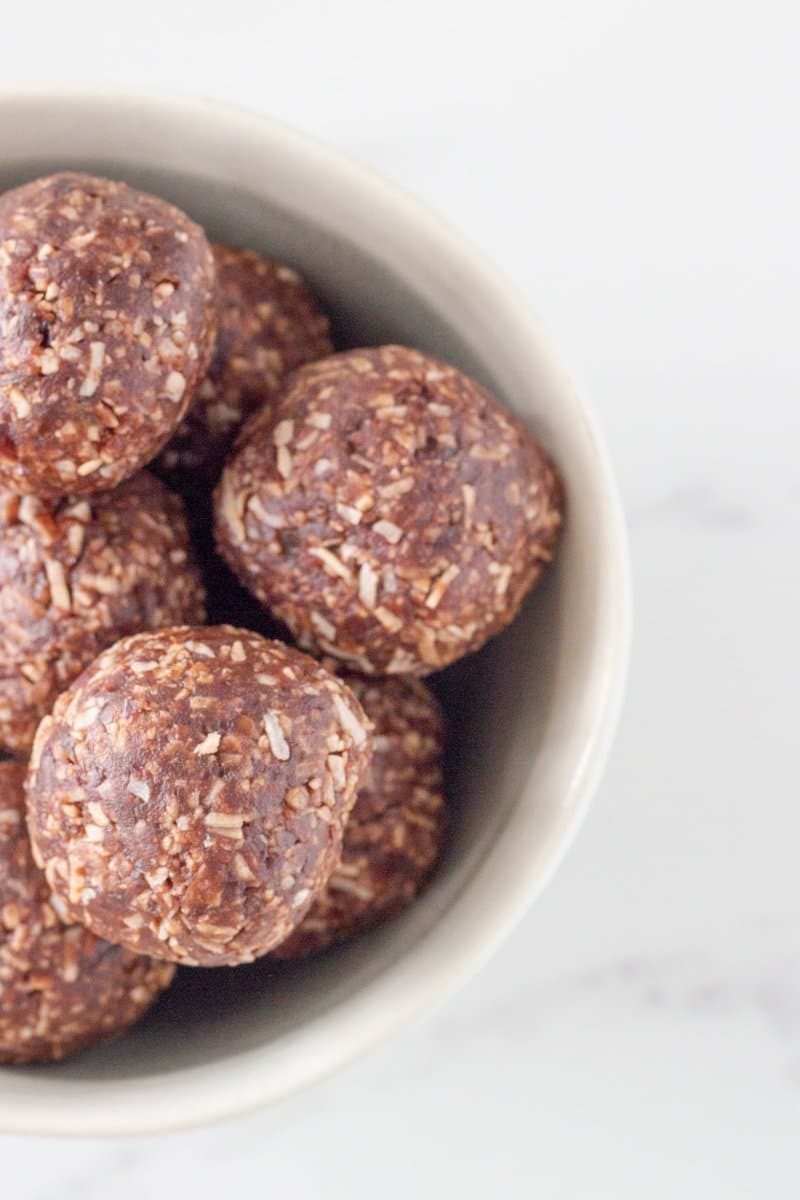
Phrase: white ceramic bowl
x=534 y=712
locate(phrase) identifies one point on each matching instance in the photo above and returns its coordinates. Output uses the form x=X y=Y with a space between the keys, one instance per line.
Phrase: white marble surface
x=635 y=168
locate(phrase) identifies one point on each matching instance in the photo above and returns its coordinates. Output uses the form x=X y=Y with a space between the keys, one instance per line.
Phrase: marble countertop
x=635 y=169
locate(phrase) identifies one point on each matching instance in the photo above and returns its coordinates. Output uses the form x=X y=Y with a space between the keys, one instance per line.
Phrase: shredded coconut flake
x=367 y=585
x=283 y=432
x=349 y=721
x=332 y=564
x=277 y=742
x=441 y=585
x=175 y=385
x=138 y=787
x=97 y=357
x=388 y=530
x=209 y=744
x=57 y=582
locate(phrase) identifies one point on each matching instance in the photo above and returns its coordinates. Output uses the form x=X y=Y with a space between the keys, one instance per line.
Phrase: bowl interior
x=527 y=713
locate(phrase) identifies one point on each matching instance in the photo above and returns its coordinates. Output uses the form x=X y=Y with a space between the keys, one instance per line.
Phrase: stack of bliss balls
x=178 y=793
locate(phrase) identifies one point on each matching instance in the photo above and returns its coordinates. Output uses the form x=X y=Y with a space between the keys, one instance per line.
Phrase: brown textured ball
x=389 y=510
x=76 y=575
x=188 y=795
x=268 y=323
x=396 y=829
x=106 y=330
x=61 y=988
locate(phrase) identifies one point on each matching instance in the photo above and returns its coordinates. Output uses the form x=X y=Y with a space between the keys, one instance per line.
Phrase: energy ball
x=106 y=330
x=61 y=988
x=268 y=323
x=77 y=574
x=396 y=829
x=188 y=795
x=389 y=510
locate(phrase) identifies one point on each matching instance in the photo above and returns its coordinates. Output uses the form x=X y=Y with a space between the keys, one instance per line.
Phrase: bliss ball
x=61 y=988
x=188 y=795
x=395 y=832
x=388 y=510
x=268 y=323
x=106 y=330
x=77 y=574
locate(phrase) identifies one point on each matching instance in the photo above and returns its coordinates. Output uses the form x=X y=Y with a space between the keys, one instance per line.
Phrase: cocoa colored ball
x=106 y=330
x=389 y=510
x=188 y=795
x=395 y=832
x=61 y=988
x=77 y=574
x=268 y=323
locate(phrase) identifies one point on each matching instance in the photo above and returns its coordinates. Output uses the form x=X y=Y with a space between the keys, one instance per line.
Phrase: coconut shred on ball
x=106 y=329
x=395 y=832
x=188 y=795
x=77 y=574
x=389 y=510
x=61 y=988
x=268 y=323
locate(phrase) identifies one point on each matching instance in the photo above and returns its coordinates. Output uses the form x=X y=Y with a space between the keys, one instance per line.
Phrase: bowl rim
x=215 y=1091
